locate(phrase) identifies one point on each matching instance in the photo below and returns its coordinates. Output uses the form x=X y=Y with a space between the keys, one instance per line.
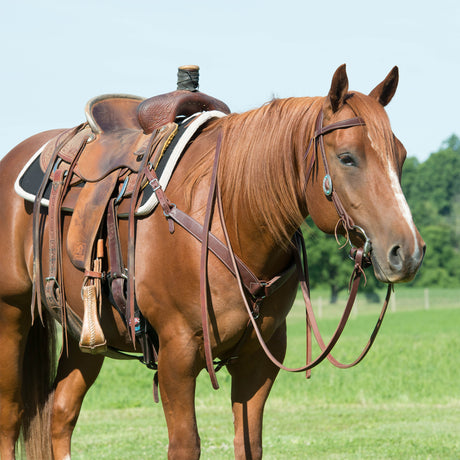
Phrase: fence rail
x=402 y=299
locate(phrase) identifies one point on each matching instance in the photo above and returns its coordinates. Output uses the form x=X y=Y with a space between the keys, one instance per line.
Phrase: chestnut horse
x=267 y=193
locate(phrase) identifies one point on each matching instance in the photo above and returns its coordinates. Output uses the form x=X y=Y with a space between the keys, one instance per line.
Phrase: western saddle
x=99 y=165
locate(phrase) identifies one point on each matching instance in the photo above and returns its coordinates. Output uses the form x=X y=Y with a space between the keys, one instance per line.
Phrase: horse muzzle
x=400 y=264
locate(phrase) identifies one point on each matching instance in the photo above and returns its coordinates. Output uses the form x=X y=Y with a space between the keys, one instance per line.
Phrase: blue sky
x=55 y=55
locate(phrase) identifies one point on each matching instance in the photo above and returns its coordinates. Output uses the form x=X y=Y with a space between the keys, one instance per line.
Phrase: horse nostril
x=395 y=258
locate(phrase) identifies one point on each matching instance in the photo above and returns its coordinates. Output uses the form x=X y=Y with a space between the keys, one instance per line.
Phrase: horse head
x=360 y=164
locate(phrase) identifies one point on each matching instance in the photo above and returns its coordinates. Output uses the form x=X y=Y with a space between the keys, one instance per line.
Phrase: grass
x=401 y=402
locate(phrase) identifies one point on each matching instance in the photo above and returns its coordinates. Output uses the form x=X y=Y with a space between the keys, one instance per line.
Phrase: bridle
x=247 y=281
x=318 y=139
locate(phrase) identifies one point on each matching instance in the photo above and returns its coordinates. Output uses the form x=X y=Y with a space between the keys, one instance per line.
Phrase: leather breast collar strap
x=250 y=284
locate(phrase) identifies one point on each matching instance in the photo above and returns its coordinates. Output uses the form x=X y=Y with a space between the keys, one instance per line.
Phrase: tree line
x=432 y=190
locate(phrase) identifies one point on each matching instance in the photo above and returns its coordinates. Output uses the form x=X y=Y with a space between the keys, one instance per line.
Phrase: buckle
x=52 y=278
x=171 y=207
x=155 y=184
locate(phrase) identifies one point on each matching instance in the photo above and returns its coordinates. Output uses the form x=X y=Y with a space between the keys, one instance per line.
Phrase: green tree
x=432 y=189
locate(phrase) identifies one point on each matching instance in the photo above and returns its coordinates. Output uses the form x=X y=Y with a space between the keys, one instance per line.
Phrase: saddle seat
x=121 y=126
x=111 y=112
x=165 y=108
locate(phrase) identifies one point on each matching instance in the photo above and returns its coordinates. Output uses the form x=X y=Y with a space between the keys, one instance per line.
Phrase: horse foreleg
x=76 y=373
x=252 y=379
x=177 y=372
x=13 y=331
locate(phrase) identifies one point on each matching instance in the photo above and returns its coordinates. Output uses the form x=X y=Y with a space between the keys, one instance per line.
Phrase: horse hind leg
x=76 y=373
x=25 y=376
x=13 y=333
x=39 y=369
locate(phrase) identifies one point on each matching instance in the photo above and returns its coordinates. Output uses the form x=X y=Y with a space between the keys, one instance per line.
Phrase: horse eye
x=347 y=159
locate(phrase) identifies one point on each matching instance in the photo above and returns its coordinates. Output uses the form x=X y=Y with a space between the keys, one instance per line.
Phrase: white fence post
x=427 y=298
x=393 y=302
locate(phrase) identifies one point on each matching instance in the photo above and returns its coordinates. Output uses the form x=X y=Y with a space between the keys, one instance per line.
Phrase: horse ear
x=386 y=90
x=339 y=88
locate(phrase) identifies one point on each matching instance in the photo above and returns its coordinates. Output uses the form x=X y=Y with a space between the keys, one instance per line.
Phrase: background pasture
x=402 y=401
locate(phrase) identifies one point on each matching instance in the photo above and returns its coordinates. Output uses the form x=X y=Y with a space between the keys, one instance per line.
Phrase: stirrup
x=92 y=339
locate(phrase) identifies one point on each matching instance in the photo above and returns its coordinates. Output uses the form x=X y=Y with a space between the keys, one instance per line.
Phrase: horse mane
x=261 y=164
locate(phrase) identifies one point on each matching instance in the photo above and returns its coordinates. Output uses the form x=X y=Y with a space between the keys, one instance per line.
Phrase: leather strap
x=305 y=285
x=204 y=286
x=319 y=133
x=36 y=301
x=52 y=289
x=60 y=184
x=258 y=289
x=55 y=282
x=158 y=141
x=131 y=241
x=116 y=268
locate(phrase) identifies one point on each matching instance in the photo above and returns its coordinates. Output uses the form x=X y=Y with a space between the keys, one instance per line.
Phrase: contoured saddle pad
x=31 y=176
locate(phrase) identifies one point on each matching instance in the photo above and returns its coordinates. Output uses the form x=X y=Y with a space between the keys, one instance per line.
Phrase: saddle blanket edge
x=147 y=207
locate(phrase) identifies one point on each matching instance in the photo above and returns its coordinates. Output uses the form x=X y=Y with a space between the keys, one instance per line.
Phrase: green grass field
x=401 y=402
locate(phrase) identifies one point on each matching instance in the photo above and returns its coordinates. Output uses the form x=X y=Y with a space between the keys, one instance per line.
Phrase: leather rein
x=252 y=289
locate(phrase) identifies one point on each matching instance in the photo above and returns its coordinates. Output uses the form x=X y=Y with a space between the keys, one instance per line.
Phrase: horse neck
x=262 y=176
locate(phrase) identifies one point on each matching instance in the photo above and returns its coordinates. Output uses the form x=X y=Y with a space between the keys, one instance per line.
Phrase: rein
x=250 y=285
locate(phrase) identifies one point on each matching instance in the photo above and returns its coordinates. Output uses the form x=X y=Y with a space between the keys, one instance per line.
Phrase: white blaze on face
x=402 y=203
x=399 y=196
